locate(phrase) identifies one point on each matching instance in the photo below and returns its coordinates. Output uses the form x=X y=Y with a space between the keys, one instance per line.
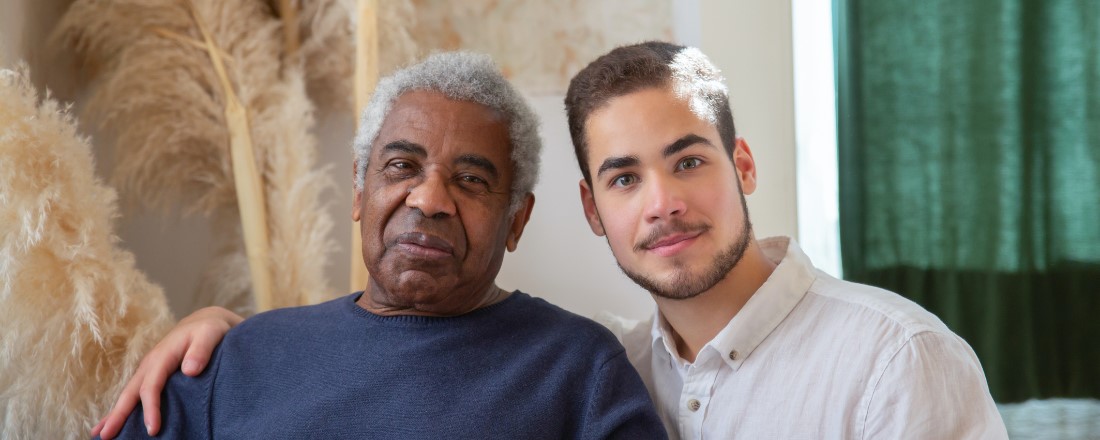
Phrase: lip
x=424 y=245
x=673 y=244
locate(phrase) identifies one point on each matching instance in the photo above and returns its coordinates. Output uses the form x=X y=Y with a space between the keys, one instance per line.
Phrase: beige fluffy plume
x=75 y=314
x=327 y=29
x=158 y=96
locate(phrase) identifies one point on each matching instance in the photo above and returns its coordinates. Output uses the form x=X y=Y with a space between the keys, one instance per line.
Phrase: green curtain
x=969 y=159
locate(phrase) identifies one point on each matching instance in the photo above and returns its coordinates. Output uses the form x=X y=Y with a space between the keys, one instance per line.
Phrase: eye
x=688 y=163
x=624 y=180
x=399 y=168
x=472 y=179
x=472 y=183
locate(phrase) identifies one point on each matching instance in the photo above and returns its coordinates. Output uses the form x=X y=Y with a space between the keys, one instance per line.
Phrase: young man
x=749 y=340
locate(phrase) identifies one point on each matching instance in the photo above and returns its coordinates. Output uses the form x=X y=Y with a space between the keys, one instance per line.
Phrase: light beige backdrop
x=558 y=258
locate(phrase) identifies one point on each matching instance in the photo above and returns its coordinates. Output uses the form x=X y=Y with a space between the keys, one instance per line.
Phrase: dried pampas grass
x=159 y=96
x=75 y=314
x=327 y=30
x=160 y=99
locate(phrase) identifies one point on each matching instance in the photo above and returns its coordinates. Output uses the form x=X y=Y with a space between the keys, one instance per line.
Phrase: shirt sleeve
x=933 y=387
x=184 y=408
x=618 y=406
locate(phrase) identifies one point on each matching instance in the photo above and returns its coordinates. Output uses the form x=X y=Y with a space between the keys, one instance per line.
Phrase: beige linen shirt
x=814 y=357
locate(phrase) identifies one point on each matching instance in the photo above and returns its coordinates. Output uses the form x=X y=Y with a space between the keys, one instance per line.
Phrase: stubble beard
x=684 y=284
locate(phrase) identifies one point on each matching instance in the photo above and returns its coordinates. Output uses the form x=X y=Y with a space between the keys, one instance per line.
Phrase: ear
x=519 y=221
x=590 y=212
x=745 y=165
x=357 y=202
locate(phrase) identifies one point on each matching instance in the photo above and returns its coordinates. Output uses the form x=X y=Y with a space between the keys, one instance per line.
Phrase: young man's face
x=665 y=193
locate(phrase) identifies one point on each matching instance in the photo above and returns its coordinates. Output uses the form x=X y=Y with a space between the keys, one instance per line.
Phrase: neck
x=376 y=300
x=696 y=321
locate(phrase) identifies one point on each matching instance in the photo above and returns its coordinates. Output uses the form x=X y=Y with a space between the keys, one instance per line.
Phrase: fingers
x=98 y=426
x=202 y=346
x=150 y=401
x=161 y=364
x=125 y=404
x=210 y=326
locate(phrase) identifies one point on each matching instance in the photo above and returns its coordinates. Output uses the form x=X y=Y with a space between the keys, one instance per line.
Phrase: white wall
x=558 y=258
x=750 y=40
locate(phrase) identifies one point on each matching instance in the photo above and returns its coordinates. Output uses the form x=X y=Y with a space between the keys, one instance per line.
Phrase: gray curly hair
x=462 y=76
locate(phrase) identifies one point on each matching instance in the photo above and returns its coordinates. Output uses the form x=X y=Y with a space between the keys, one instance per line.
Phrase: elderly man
x=749 y=339
x=447 y=157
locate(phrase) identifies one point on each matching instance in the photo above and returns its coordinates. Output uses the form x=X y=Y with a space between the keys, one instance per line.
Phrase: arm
x=191 y=341
x=934 y=387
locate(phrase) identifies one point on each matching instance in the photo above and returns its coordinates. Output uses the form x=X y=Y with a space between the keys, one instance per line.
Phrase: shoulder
x=295 y=320
x=557 y=324
x=877 y=325
x=864 y=305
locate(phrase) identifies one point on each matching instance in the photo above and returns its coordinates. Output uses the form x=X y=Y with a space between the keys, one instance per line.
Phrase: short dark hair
x=625 y=70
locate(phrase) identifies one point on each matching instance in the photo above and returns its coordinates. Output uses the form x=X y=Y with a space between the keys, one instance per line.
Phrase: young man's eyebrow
x=683 y=143
x=612 y=163
x=404 y=146
x=478 y=161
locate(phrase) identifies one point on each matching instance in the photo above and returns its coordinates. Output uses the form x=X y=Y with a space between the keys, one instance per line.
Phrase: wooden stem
x=289 y=14
x=187 y=41
x=246 y=177
x=366 y=77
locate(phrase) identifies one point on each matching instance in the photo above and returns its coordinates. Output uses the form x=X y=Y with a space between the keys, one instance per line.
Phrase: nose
x=664 y=199
x=431 y=196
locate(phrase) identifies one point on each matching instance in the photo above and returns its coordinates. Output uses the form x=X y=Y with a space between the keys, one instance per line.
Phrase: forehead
x=445 y=126
x=642 y=123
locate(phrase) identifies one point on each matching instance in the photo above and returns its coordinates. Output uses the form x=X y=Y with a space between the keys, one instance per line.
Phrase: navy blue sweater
x=519 y=369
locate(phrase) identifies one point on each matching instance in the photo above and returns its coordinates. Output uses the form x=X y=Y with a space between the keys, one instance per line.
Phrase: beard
x=684 y=283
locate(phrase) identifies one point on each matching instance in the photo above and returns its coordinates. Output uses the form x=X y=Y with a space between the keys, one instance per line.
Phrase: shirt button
x=694 y=405
x=733 y=355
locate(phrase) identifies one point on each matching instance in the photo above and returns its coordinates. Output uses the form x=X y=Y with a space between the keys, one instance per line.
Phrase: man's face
x=665 y=193
x=434 y=217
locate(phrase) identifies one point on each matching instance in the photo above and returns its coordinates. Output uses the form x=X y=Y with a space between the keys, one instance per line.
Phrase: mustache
x=672 y=227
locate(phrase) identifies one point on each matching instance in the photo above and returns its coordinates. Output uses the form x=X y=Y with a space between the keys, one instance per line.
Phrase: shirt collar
x=764 y=311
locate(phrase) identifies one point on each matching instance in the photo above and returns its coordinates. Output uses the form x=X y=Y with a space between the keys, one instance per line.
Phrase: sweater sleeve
x=933 y=387
x=184 y=407
x=618 y=405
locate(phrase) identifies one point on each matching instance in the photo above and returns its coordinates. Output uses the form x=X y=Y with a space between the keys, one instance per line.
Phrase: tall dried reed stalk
x=75 y=314
x=327 y=29
x=160 y=97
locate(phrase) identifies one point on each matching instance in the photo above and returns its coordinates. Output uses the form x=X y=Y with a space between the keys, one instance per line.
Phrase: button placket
x=694 y=397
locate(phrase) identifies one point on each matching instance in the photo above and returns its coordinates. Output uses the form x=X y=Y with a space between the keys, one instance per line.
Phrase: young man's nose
x=664 y=199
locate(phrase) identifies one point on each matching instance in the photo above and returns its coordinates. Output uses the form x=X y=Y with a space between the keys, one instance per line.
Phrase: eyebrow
x=613 y=163
x=479 y=162
x=684 y=142
x=681 y=144
x=404 y=146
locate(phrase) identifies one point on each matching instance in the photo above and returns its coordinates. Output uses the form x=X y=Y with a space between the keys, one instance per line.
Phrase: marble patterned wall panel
x=539 y=44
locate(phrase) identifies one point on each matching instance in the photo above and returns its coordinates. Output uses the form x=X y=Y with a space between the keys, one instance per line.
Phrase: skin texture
x=436 y=224
x=435 y=227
